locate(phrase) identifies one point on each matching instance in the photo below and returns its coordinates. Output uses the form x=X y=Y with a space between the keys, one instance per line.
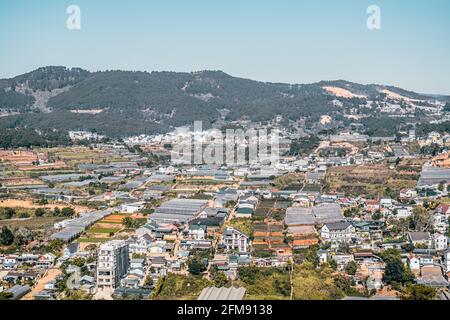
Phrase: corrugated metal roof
x=324 y=213
x=212 y=293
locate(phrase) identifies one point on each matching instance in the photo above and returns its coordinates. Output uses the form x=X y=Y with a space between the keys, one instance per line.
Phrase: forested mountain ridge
x=124 y=103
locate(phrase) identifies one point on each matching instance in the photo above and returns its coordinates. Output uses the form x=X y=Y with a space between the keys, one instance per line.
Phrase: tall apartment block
x=113 y=263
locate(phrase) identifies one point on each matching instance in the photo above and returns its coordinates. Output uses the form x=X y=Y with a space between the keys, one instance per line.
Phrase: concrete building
x=234 y=240
x=342 y=232
x=113 y=263
x=439 y=241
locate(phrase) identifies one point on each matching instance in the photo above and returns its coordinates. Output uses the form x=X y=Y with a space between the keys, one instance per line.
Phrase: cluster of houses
x=179 y=226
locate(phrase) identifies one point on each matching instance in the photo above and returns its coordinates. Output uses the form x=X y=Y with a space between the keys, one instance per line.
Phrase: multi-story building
x=234 y=240
x=113 y=263
x=439 y=241
x=342 y=232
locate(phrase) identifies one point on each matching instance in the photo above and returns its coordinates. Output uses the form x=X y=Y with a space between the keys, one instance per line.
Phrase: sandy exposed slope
x=339 y=92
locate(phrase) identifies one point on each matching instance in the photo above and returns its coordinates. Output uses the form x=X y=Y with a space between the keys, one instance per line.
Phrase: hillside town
x=339 y=216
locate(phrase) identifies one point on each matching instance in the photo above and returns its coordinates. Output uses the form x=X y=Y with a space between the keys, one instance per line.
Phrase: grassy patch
x=244 y=225
x=104 y=230
x=181 y=287
x=92 y=240
x=32 y=223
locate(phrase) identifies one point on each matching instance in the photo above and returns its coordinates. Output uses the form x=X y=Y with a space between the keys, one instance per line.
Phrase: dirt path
x=28 y=204
x=50 y=275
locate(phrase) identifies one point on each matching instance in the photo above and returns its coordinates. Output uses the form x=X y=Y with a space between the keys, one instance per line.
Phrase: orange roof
x=305 y=242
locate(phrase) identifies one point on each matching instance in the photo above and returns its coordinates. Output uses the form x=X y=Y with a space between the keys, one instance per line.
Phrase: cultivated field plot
x=75 y=155
x=291 y=181
x=264 y=208
x=104 y=230
x=282 y=204
x=373 y=179
x=113 y=219
x=108 y=228
x=34 y=224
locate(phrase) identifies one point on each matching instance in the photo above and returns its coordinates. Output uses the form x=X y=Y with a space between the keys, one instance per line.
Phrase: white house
x=71 y=250
x=234 y=240
x=157 y=248
x=137 y=263
x=439 y=222
x=46 y=260
x=139 y=246
x=387 y=203
x=323 y=256
x=408 y=194
x=10 y=262
x=403 y=212
x=197 y=232
x=439 y=241
x=342 y=232
x=414 y=263
x=132 y=207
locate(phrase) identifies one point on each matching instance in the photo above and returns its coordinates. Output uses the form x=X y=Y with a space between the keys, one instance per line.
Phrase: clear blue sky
x=296 y=41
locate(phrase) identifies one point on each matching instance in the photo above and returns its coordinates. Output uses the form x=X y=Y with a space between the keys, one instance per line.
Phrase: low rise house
x=439 y=222
x=402 y=212
x=132 y=207
x=443 y=209
x=387 y=203
x=137 y=263
x=323 y=256
x=139 y=245
x=372 y=205
x=46 y=260
x=414 y=263
x=197 y=232
x=407 y=194
x=342 y=260
x=426 y=260
x=420 y=238
x=70 y=250
x=45 y=295
x=10 y=262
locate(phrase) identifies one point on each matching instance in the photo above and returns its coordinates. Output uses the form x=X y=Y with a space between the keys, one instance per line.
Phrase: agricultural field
x=35 y=224
x=374 y=180
x=264 y=209
x=291 y=181
x=108 y=228
x=244 y=225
